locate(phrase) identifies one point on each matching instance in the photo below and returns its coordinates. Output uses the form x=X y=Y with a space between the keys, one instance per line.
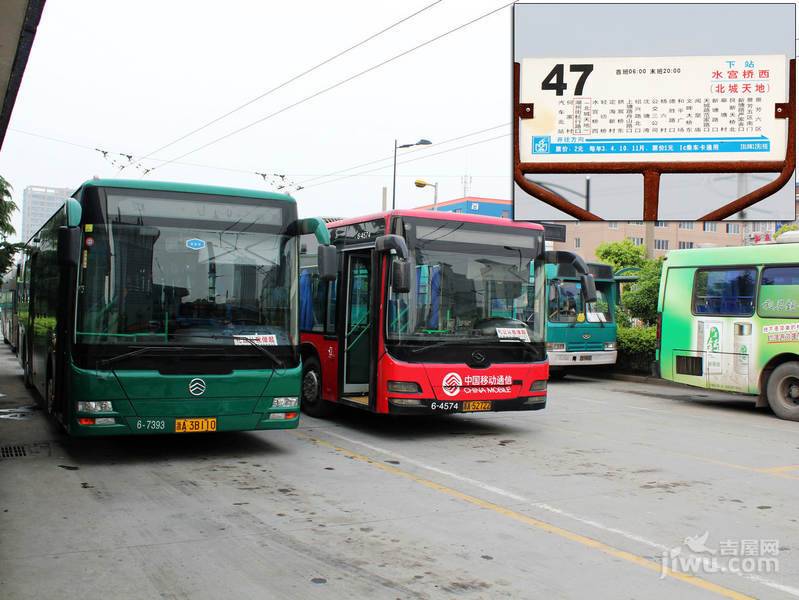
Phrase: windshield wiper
x=107 y=361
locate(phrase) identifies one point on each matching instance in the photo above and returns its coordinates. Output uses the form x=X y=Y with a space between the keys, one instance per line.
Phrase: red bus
x=431 y=312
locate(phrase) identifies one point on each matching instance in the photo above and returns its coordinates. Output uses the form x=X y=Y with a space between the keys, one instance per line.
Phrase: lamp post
x=421 y=183
x=422 y=142
x=586 y=195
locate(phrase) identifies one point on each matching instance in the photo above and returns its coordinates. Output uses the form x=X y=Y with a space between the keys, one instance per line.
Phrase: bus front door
x=357 y=332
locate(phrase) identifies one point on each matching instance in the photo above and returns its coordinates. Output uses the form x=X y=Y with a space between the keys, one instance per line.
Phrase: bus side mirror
x=589 y=288
x=68 y=246
x=326 y=260
x=400 y=276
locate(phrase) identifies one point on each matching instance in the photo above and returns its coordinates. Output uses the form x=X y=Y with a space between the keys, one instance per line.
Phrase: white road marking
x=543 y=506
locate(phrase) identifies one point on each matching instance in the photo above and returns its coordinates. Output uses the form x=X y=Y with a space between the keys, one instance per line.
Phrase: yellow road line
x=780 y=470
x=538 y=524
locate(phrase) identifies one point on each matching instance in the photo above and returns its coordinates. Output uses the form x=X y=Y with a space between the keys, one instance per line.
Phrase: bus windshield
x=164 y=268
x=566 y=303
x=469 y=281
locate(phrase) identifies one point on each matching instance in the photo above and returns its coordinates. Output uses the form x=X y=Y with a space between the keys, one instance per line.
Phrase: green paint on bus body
x=735 y=331
x=240 y=401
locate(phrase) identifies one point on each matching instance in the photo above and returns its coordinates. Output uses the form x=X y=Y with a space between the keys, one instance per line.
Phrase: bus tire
x=26 y=373
x=782 y=391
x=556 y=374
x=311 y=388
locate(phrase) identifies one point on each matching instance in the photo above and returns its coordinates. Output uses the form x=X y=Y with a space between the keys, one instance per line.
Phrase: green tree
x=7 y=208
x=641 y=300
x=786 y=227
x=621 y=254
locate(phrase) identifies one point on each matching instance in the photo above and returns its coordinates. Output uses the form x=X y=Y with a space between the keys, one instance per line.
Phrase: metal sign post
x=652 y=116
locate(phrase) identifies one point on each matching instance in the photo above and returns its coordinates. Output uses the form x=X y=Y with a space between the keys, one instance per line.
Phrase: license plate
x=586 y=357
x=194 y=425
x=476 y=405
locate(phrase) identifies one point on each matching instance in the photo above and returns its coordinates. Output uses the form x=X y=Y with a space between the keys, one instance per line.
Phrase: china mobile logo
x=731 y=556
x=451 y=384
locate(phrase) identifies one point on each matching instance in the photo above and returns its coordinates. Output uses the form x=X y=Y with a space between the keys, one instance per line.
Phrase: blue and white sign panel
x=658 y=109
x=195 y=244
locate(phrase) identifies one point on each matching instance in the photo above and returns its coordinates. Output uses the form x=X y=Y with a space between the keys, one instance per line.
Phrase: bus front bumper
x=135 y=425
x=397 y=406
x=572 y=359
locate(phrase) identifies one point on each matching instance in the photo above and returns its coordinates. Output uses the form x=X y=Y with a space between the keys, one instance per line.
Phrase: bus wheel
x=312 y=403
x=26 y=372
x=556 y=374
x=783 y=391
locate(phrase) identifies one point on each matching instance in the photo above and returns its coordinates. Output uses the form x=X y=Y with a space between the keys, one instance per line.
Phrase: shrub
x=636 y=349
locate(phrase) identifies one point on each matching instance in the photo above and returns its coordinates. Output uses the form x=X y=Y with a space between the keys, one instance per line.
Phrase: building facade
x=38 y=204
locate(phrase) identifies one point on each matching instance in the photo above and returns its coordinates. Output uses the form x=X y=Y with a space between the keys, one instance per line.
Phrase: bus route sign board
x=653 y=109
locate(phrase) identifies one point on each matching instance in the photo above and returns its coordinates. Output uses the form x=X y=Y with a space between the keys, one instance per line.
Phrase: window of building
x=684 y=245
x=613 y=224
x=576 y=242
x=638 y=241
x=709 y=226
x=733 y=228
x=661 y=244
x=724 y=291
x=686 y=225
x=661 y=224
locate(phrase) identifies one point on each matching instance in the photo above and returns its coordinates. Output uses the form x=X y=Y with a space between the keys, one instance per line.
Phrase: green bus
x=149 y=307
x=8 y=308
x=579 y=334
x=728 y=319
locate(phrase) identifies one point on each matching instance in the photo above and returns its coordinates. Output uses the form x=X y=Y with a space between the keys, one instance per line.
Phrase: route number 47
x=554 y=81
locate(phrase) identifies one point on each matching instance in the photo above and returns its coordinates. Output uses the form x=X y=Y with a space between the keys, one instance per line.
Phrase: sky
x=131 y=77
x=610 y=30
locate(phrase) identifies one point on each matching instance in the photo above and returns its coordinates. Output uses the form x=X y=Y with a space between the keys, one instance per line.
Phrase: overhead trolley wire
x=291 y=80
x=333 y=86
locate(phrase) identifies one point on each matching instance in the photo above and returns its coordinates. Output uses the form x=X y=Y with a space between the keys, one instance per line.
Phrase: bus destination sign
x=654 y=109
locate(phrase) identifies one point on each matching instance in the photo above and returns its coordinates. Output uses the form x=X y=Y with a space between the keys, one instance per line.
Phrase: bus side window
x=724 y=291
x=778 y=296
x=331 y=307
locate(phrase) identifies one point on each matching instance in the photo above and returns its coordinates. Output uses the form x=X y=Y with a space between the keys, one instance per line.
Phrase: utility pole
x=649 y=238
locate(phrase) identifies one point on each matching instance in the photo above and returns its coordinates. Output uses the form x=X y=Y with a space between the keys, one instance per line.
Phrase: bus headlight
x=538 y=386
x=94 y=407
x=404 y=387
x=610 y=345
x=555 y=346
x=286 y=402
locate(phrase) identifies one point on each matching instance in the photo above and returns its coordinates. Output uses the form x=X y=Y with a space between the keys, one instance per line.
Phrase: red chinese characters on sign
x=747 y=80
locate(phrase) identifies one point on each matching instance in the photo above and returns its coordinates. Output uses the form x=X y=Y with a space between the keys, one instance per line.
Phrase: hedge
x=636 y=349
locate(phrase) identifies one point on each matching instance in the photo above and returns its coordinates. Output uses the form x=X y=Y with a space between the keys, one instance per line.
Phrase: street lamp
x=422 y=142
x=421 y=183
x=586 y=195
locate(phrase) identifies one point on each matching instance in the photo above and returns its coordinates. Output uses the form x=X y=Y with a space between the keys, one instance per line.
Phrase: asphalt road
x=579 y=500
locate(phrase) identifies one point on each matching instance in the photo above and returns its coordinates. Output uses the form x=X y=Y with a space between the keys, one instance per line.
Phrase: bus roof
x=441 y=215
x=171 y=186
x=734 y=255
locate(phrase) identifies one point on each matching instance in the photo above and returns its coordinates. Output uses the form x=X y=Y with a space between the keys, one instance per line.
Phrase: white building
x=38 y=205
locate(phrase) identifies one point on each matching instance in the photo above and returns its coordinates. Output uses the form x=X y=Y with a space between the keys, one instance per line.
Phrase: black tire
x=311 y=390
x=556 y=374
x=782 y=391
x=26 y=373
